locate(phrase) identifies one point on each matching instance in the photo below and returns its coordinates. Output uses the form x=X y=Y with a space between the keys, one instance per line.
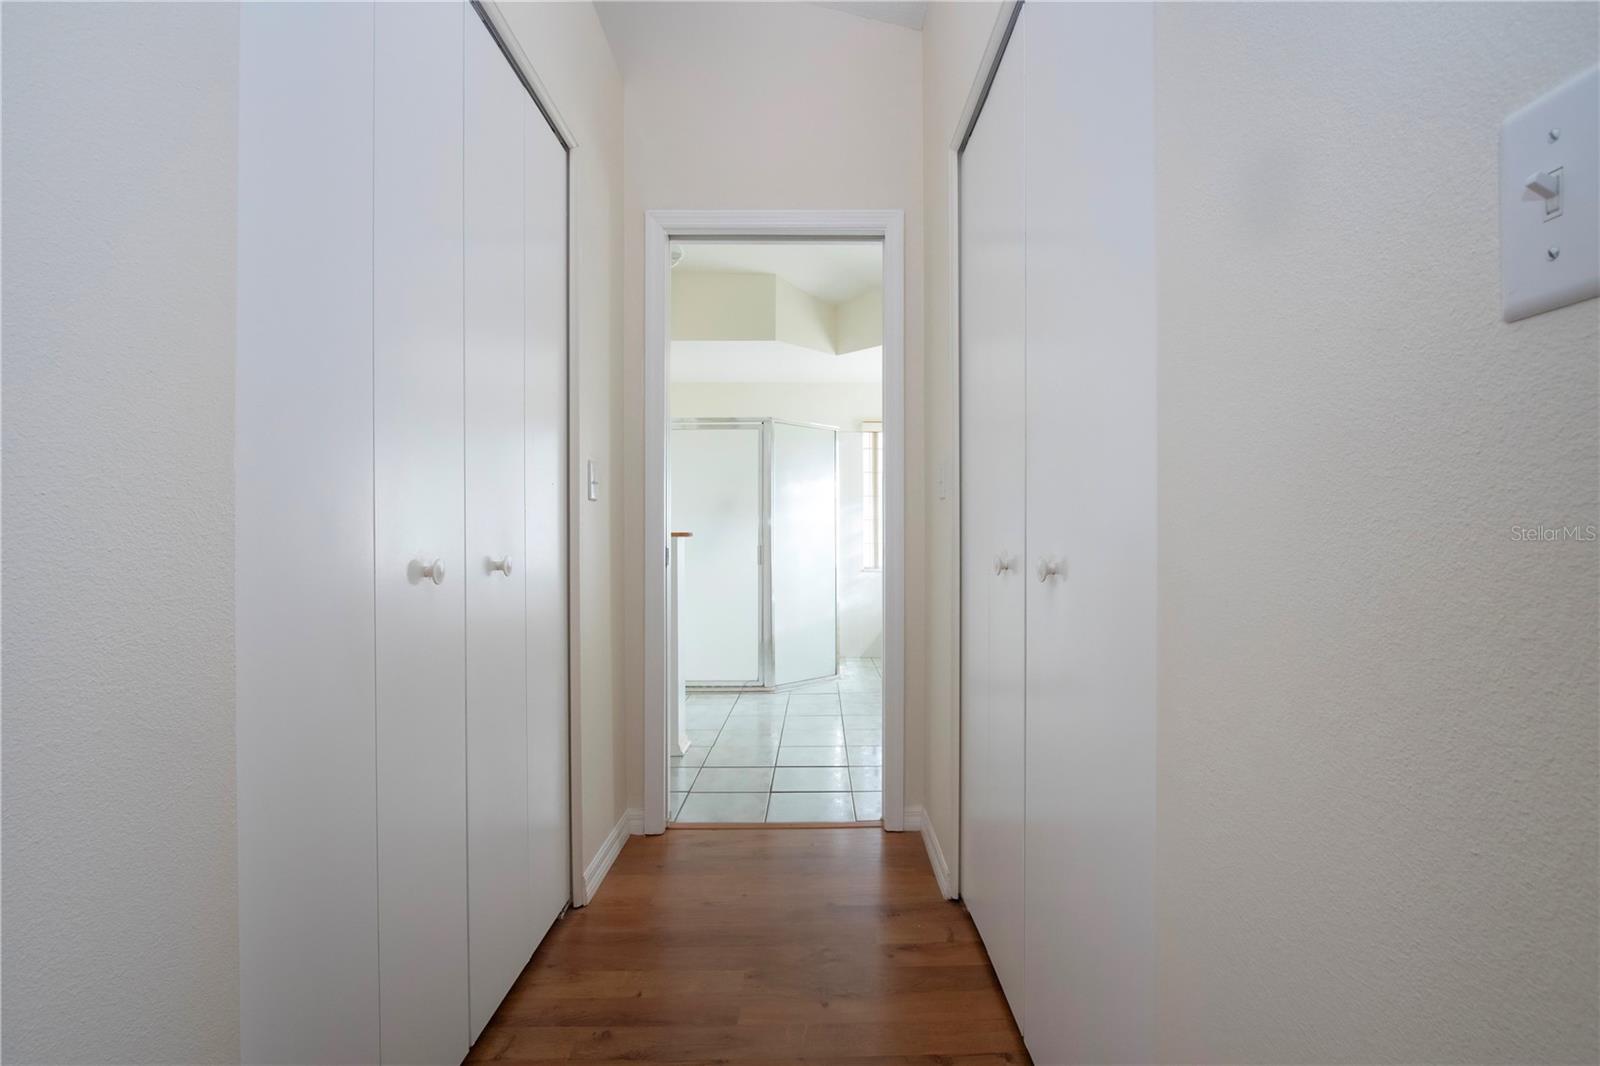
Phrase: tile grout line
x=725 y=720
x=702 y=766
x=838 y=715
x=772 y=785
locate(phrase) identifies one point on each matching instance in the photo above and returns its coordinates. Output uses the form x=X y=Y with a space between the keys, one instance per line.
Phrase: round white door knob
x=434 y=572
x=1048 y=569
x=1001 y=565
x=503 y=565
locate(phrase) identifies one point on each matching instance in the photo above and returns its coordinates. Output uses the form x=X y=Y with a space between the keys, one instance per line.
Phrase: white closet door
x=308 y=881
x=716 y=495
x=418 y=456
x=993 y=519
x=499 y=915
x=545 y=352
x=805 y=547
x=1091 y=513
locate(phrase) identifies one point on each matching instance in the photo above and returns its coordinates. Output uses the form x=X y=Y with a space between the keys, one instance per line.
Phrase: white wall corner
x=630 y=824
x=917 y=818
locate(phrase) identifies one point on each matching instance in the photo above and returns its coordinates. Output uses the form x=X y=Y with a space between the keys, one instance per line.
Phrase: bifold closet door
x=716 y=495
x=1090 y=982
x=805 y=553
x=401 y=563
x=499 y=914
x=993 y=458
x=417 y=460
x=303 y=565
x=545 y=432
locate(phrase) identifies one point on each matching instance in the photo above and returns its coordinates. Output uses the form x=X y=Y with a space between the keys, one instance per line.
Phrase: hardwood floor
x=760 y=945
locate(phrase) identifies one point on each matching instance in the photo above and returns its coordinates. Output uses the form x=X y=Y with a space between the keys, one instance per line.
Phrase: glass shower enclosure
x=758 y=598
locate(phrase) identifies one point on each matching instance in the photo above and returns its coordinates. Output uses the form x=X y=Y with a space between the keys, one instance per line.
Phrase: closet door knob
x=1001 y=565
x=433 y=571
x=1048 y=569
x=503 y=565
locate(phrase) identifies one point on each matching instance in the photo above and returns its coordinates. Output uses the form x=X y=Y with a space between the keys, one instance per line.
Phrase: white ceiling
x=635 y=28
x=768 y=361
x=834 y=271
x=898 y=12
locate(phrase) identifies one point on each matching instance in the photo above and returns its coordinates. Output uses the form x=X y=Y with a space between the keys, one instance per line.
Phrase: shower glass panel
x=805 y=546
x=717 y=472
x=749 y=618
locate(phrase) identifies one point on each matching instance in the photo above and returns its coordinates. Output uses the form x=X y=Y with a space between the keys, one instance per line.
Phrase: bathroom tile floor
x=809 y=754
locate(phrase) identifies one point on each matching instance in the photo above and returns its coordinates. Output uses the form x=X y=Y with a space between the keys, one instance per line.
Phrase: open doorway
x=780 y=627
x=775 y=487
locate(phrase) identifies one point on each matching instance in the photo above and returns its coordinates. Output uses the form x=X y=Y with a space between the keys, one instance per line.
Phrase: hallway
x=800 y=532
x=762 y=945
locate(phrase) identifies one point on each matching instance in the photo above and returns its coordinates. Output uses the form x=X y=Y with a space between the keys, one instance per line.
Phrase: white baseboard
x=917 y=818
x=630 y=824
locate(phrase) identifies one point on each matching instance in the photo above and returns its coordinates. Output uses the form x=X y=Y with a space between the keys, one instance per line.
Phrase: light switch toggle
x=1550 y=200
x=1546 y=184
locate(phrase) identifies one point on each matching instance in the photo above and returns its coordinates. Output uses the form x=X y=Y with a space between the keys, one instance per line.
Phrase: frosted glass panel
x=804 y=553
x=716 y=495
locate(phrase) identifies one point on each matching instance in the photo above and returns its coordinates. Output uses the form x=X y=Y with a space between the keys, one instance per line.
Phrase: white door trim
x=660 y=227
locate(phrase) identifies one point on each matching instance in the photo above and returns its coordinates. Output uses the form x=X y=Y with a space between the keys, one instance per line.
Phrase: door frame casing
x=660 y=229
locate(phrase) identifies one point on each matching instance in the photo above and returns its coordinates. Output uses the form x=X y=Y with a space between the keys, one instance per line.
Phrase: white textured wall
x=723 y=307
x=567 y=47
x=840 y=404
x=768 y=106
x=953 y=40
x=1378 y=766
x=120 y=900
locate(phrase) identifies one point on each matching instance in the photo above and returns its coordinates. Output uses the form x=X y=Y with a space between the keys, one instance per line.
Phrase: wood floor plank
x=760 y=946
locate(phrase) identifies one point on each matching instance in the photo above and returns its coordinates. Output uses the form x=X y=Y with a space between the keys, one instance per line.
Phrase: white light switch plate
x=1550 y=257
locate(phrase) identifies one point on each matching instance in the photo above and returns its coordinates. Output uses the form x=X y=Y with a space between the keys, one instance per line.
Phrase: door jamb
x=660 y=228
